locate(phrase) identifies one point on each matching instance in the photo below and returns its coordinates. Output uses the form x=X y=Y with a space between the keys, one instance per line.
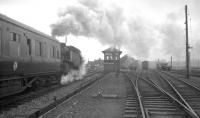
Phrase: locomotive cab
x=70 y=58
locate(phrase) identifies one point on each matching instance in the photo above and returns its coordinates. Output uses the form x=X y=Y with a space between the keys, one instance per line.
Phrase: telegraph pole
x=187 y=46
x=171 y=62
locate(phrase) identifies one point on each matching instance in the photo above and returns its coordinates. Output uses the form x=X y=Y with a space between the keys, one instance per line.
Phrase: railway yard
x=129 y=94
x=43 y=77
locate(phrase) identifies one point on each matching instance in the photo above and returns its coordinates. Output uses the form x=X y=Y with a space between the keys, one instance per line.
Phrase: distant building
x=111 y=60
x=95 y=64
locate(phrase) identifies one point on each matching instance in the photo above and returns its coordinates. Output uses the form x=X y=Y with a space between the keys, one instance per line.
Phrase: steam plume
x=74 y=75
x=173 y=35
x=110 y=25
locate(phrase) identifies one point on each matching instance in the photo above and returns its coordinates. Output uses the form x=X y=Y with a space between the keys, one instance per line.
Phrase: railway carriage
x=27 y=56
x=23 y=47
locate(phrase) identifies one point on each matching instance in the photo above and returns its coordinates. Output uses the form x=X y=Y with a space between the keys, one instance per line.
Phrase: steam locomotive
x=30 y=58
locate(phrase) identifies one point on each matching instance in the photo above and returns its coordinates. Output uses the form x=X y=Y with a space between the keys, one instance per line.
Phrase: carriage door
x=14 y=44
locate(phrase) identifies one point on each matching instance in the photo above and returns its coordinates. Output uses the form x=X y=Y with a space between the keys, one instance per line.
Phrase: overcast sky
x=146 y=29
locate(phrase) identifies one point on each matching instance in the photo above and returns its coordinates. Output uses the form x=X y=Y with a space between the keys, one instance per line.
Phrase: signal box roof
x=112 y=50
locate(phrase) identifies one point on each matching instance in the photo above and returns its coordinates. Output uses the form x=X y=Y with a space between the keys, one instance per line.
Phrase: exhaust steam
x=74 y=75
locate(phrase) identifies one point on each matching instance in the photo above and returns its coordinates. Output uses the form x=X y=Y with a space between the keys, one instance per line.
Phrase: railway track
x=15 y=100
x=158 y=103
x=155 y=77
x=47 y=110
x=194 y=73
x=132 y=107
x=189 y=93
x=193 y=79
x=176 y=88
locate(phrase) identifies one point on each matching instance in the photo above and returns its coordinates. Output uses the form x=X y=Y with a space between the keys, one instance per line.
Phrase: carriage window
x=15 y=37
x=40 y=46
x=58 y=54
x=54 y=52
x=29 y=46
x=50 y=51
x=45 y=53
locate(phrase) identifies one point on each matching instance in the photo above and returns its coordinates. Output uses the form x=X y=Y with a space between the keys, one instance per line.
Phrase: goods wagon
x=145 y=65
x=163 y=66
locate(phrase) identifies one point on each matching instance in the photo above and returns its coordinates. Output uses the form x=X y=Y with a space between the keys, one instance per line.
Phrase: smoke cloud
x=107 y=24
x=173 y=36
x=110 y=25
x=143 y=37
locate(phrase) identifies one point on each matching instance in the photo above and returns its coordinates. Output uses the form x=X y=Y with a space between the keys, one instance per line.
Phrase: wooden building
x=111 y=60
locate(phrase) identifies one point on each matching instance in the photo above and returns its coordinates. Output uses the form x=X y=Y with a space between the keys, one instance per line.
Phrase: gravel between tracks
x=27 y=108
x=88 y=105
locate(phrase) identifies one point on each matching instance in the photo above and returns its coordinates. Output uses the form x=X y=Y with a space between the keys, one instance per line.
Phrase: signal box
x=112 y=60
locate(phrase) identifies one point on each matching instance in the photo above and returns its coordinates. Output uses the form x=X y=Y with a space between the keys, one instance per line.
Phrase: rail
x=193 y=86
x=178 y=94
x=144 y=111
x=46 y=109
x=185 y=108
x=138 y=96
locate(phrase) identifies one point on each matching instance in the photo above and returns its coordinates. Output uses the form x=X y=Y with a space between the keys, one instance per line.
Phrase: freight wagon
x=145 y=65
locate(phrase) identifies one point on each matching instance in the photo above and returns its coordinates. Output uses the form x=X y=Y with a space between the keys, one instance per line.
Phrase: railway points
x=181 y=90
x=158 y=104
x=157 y=96
x=55 y=76
x=189 y=92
